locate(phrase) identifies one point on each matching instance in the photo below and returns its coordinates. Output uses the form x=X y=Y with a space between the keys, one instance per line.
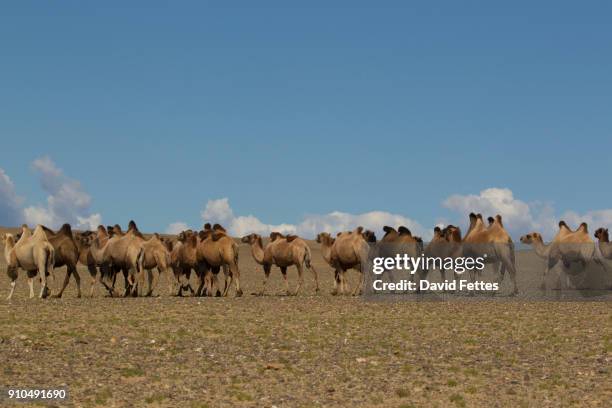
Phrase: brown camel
x=184 y=259
x=33 y=253
x=400 y=241
x=442 y=246
x=66 y=254
x=567 y=246
x=605 y=248
x=492 y=243
x=123 y=252
x=155 y=255
x=91 y=254
x=349 y=250
x=216 y=250
x=282 y=251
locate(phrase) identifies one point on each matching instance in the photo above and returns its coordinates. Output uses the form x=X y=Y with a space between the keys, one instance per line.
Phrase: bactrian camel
x=349 y=250
x=33 y=253
x=66 y=254
x=216 y=250
x=282 y=251
x=491 y=242
x=567 y=246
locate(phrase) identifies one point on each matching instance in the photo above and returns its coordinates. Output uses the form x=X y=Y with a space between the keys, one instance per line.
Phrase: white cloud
x=521 y=217
x=10 y=202
x=220 y=211
x=67 y=202
x=176 y=227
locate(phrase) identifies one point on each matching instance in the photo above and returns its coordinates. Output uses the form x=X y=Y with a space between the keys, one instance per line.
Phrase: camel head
x=183 y=235
x=602 y=234
x=531 y=238
x=251 y=238
x=369 y=236
x=325 y=238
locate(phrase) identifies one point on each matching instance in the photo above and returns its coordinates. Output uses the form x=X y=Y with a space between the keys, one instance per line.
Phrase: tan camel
x=184 y=260
x=443 y=245
x=154 y=255
x=32 y=253
x=216 y=250
x=400 y=241
x=349 y=250
x=91 y=254
x=122 y=252
x=492 y=243
x=605 y=247
x=282 y=251
x=66 y=254
x=567 y=246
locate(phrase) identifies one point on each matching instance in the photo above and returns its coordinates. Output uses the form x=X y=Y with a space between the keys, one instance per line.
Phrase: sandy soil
x=310 y=350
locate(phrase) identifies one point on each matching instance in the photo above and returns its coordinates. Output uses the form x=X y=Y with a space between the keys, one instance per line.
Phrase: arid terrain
x=309 y=350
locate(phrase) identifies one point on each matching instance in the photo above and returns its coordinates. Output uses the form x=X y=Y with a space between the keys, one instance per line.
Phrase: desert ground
x=309 y=350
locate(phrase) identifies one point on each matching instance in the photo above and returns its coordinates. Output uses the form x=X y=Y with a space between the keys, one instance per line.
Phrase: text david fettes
x=404 y=262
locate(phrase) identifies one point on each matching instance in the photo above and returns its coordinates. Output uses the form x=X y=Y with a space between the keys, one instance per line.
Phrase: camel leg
x=42 y=271
x=267 y=268
x=12 y=274
x=31 y=285
x=549 y=264
x=316 y=276
x=284 y=272
x=229 y=279
x=336 y=281
x=300 y=282
x=235 y=275
x=359 y=284
x=93 y=273
x=150 y=281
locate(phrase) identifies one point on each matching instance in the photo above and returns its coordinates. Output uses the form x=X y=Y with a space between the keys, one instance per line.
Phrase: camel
x=567 y=246
x=184 y=259
x=123 y=252
x=282 y=251
x=349 y=250
x=442 y=246
x=66 y=254
x=605 y=248
x=33 y=253
x=155 y=255
x=91 y=254
x=400 y=241
x=492 y=243
x=216 y=250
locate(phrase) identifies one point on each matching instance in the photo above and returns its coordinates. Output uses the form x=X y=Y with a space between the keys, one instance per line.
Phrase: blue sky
x=158 y=107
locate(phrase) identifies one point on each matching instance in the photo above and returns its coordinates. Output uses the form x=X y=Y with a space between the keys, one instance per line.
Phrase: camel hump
x=132 y=226
x=65 y=230
x=388 y=229
x=218 y=227
x=479 y=216
x=207 y=226
x=563 y=224
x=583 y=227
x=338 y=234
x=472 y=216
x=437 y=230
x=274 y=235
x=291 y=238
x=217 y=236
x=358 y=230
x=491 y=220
x=403 y=230
x=155 y=235
x=498 y=218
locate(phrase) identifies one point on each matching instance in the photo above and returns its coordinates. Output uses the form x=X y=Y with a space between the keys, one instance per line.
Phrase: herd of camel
x=109 y=252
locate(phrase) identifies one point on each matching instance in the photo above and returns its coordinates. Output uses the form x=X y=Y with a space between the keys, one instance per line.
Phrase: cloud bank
x=521 y=217
x=66 y=200
x=220 y=211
